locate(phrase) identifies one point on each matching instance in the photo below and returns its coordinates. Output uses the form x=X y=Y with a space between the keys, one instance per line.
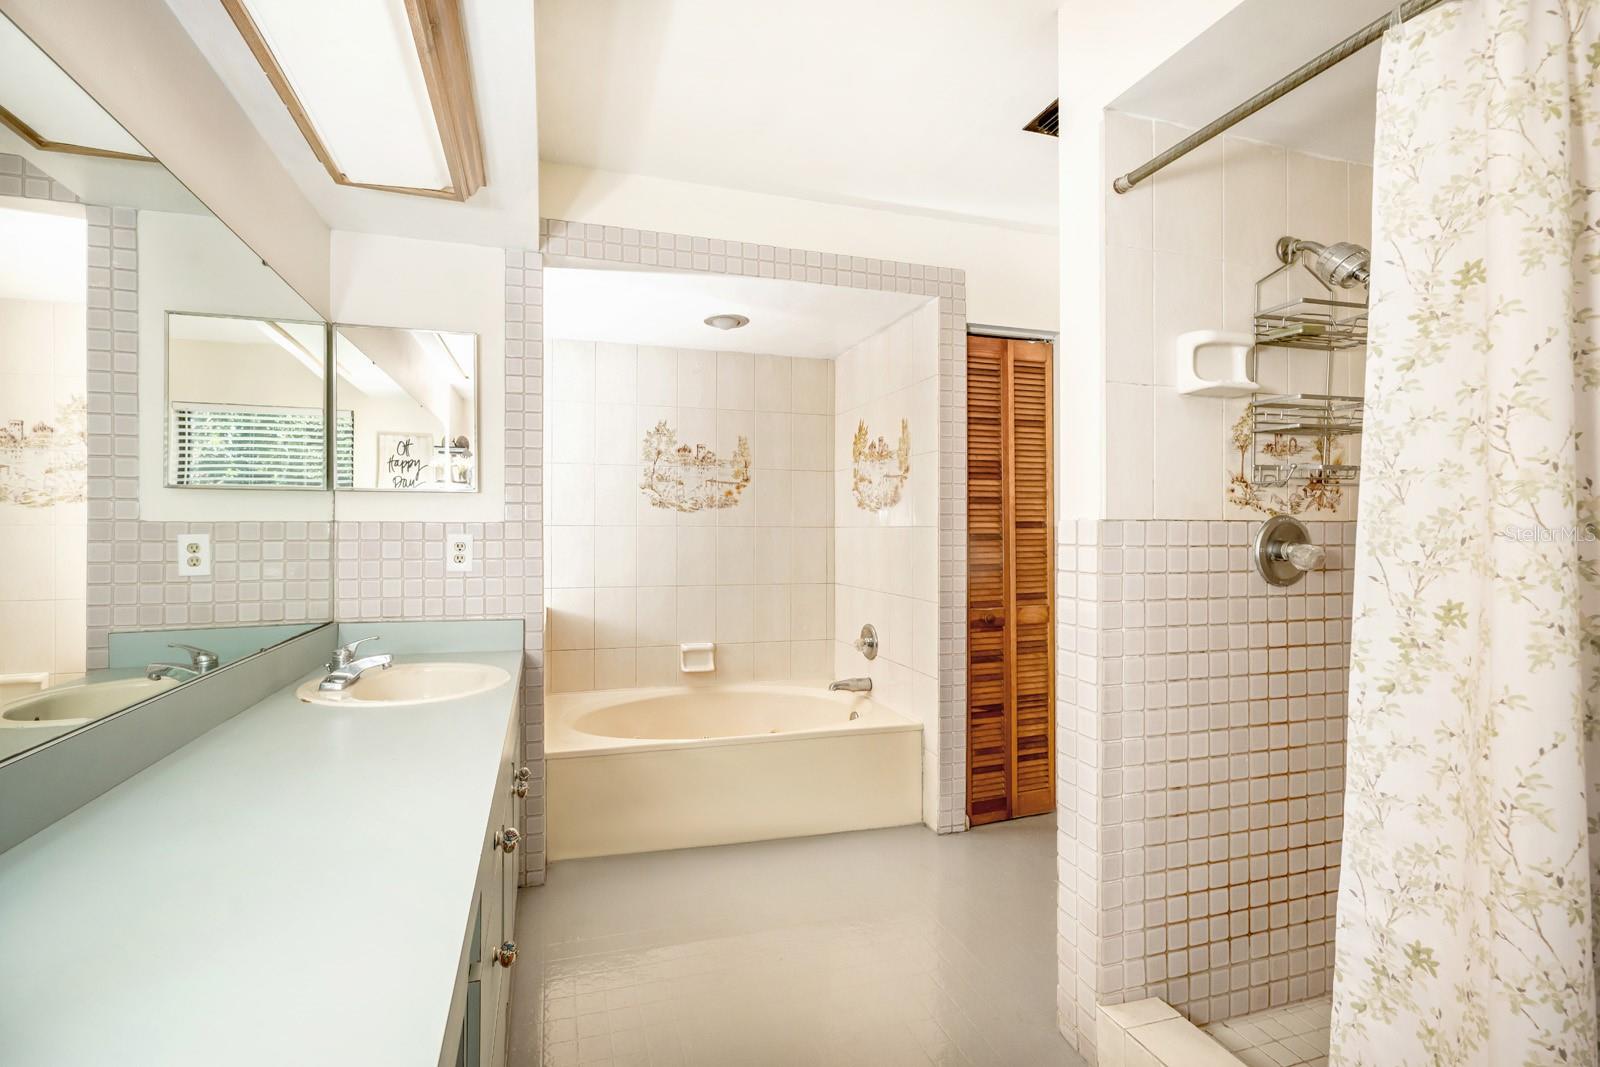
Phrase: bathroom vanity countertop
x=294 y=886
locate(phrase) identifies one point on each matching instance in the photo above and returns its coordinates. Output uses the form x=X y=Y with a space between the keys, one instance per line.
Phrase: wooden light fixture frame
x=14 y=122
x=441 y=38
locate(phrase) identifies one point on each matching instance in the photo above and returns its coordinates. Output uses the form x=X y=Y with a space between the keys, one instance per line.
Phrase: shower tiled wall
x=1202 y=768
x=886 y=557
x=620 y=245
x=1183 y=251
x=1200 y=714
x=395 y=570
x=631 y=580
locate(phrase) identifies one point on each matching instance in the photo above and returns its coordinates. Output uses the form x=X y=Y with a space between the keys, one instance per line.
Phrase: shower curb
x=1150 y=1033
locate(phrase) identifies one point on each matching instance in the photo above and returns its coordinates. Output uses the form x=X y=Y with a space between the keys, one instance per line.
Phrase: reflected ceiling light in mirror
x=727 y=322
x=50 y=111
x=280 y=336
x=380 y=89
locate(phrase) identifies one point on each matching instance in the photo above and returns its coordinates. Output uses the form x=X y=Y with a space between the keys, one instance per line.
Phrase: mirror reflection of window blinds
x=231 y=445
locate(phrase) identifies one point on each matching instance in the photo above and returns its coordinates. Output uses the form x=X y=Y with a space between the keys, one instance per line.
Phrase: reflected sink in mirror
x=35 y=719
x=408 y=683
x=74 y=705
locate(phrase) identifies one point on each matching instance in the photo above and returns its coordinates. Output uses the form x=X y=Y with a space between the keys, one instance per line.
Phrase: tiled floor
x=885 y=947
x=1290 y=1036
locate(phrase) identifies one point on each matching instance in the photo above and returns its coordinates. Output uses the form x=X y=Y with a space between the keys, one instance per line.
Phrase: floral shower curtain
x=1467 y=897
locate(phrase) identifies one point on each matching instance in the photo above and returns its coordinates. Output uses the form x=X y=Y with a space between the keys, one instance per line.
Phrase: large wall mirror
x=154 y=375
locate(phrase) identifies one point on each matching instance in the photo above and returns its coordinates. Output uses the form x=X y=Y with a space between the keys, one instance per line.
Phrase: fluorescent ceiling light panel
x=49 y=109
x=354 y=69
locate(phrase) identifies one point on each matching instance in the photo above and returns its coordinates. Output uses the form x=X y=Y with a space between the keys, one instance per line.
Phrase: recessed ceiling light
x=727 y=322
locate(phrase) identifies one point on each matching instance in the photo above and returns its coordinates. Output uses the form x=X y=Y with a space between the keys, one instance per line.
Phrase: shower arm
x=1340 y=52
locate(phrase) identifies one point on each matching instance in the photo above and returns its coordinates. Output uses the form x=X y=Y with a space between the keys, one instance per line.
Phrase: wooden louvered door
x=1010 y=581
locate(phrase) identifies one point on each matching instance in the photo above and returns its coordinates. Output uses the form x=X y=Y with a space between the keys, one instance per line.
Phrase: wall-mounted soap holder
x=697 y=657
x=1236 y=346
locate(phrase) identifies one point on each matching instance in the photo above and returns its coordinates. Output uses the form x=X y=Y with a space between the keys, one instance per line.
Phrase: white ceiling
x=669 y=310
x=44 y=251
x=505 y=213
x=912 y=104
x=1253 y=46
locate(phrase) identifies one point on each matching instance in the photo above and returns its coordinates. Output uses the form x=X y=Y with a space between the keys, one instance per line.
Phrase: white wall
x=134 y=57
x=1105 y=48
x=887 y=562
x=1011 y=273
x=431 y=285
x=629 y=581
x=194 y=263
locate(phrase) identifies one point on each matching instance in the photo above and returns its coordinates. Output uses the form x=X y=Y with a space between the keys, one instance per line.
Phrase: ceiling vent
x=1047 y=121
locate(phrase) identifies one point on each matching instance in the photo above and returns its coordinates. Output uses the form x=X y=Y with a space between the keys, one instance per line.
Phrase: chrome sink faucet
x=200 y=662
x=851 y=685
x=345 y=670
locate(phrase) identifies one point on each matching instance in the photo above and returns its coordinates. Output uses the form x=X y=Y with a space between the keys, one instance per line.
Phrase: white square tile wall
x=947 y=286
x=630 y=581
x=1183 y=251
x=887 y=562
x=1201 y=753
x=42 y=579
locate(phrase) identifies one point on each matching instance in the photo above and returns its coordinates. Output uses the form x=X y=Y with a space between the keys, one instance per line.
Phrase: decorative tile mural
x=45 y=463
x=1320 y=493
x=680 y=478
x=878 y=473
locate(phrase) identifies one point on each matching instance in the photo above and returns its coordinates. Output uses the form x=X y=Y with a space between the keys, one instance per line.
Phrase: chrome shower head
x=1338 y=266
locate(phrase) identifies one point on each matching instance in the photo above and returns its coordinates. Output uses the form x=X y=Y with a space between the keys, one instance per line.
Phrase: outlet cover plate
x=458 y=553
x=194 y=555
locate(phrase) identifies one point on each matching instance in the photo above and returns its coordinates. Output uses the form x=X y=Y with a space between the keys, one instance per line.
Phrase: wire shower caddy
x=1304 y=438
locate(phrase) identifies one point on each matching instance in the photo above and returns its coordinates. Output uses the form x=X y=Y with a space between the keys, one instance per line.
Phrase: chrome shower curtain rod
x=1332 y=57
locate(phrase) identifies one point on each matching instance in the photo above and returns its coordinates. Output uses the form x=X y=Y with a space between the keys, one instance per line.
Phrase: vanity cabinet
x=480 y=1014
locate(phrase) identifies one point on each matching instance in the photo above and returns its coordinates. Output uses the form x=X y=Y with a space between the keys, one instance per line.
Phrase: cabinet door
x=500 y=885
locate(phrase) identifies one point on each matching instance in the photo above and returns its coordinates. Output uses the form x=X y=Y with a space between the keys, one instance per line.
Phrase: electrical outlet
x=194 y=555
x=458 y=553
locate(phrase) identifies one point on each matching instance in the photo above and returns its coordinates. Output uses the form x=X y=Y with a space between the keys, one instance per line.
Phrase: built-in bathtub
x=637 y=770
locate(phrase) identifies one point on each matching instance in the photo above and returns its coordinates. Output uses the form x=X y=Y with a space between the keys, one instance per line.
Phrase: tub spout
x=851 y=685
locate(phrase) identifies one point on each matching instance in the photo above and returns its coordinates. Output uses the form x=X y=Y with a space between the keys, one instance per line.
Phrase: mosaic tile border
x=615 y=244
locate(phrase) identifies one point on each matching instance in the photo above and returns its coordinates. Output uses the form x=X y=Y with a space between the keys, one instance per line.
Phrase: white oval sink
x=408 y=683
x=74 y=705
